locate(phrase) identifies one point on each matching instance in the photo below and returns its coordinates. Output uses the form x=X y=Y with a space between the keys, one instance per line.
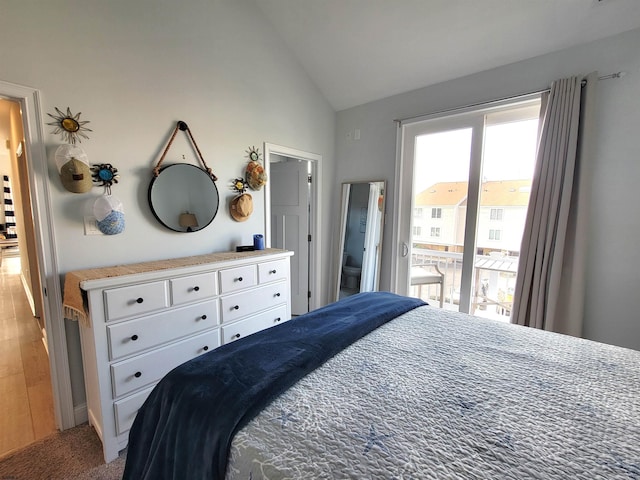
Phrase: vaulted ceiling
x=357 y=51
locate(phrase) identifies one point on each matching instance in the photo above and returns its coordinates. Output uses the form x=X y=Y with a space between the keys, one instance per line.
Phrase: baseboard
x=27 y=291
x=80 y=414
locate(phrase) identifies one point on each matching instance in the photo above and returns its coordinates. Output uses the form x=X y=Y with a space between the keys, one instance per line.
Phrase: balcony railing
x=492 y=291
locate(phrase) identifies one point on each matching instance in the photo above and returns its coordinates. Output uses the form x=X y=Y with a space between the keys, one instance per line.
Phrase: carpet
x=75 y=454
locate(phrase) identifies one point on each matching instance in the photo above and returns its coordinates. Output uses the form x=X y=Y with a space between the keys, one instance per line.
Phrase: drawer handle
x=236 y=307
x=237 y=335
x=137 y=374
x=277 y=294
x=139 y=300
x=277 y=319
x=196 y=288
x=203 y=317
x=134 y=337
x=239 y=279
x=272 y=271
x=205 y=348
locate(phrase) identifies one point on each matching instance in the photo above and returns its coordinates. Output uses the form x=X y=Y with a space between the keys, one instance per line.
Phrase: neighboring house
x=503 y=210
x=440 y=210
x=439 y=214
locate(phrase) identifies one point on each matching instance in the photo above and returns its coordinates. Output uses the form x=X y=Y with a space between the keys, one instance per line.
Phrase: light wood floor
x=26 y=399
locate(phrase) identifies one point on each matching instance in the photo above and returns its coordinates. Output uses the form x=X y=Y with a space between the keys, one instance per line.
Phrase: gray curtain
x=550 y=285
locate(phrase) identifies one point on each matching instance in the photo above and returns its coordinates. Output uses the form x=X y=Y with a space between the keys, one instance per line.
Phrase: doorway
x=292 y=218
x=27 y=400
x=42 y=246
x=467 y=179
x=290 y=229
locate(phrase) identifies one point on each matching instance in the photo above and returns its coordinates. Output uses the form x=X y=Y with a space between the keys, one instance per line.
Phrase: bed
x=378 y=386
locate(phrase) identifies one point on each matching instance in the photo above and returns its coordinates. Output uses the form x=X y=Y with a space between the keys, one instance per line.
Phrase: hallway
x=26 y=399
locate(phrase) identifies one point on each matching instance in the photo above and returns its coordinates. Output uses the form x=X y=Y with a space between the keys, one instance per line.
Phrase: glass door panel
x=508 y=164
x=468 y=178
x=440 y=185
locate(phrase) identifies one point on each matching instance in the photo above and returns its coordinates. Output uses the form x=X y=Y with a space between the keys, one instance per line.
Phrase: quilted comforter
x=183 y=430
x=441 y=395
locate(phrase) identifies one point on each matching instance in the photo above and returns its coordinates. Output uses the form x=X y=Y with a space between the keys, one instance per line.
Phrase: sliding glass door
x=463 y=195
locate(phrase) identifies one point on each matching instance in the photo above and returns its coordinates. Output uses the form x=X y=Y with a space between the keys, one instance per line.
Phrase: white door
x=290 y=223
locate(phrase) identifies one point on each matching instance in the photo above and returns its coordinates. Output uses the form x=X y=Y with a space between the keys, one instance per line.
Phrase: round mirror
x=183 y=197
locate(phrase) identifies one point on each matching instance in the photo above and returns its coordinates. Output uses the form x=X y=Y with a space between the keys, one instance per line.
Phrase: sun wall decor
x=239 y=185
x=69 y=125
x=104 y=174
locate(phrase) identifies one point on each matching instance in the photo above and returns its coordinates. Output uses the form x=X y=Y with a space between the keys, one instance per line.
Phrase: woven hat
x=241 y=207
x=76 y=176
x=255 y=175
x=73 y=166
x=109 y=214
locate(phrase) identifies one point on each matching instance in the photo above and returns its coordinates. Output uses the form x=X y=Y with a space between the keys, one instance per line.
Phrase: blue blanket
x=184 y=429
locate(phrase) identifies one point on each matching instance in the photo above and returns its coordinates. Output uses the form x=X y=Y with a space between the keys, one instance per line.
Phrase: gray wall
x=613 y=279
x=134 y=68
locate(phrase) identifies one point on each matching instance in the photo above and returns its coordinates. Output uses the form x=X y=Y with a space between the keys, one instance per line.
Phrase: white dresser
x=145 y=319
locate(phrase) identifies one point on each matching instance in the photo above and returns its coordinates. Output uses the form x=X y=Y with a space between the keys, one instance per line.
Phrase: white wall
x=134 y=68
x=614 y=261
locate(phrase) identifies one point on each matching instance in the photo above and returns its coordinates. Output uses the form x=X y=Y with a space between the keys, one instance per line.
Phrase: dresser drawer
x=272 y=271
x=233 y=279
x=247 y=326
x=148 y=368
x=134 y=300
x=247 y=303
x=126 y=338
x=193 y=288
x=127 y=408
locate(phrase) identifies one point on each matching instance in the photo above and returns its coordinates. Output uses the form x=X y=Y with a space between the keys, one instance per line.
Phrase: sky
x=509 y=154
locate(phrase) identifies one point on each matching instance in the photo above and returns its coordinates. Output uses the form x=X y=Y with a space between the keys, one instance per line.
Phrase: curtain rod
x=512 y=97
x=606 y=77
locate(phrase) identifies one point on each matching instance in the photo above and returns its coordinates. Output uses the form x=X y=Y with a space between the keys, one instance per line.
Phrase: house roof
x=500 y=193
x=443 y=194
x=508 y=193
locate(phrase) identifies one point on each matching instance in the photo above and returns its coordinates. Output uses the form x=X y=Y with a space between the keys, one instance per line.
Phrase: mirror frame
x=165 y=222
x=344 y=204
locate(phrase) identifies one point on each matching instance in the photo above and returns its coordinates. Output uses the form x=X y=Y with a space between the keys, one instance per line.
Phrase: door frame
x=314 y=213
x=32 y=116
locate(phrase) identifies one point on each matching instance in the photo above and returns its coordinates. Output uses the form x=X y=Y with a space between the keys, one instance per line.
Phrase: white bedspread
x=441 y=395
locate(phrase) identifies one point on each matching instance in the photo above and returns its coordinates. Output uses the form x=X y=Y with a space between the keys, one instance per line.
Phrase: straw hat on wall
x=241 y=207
